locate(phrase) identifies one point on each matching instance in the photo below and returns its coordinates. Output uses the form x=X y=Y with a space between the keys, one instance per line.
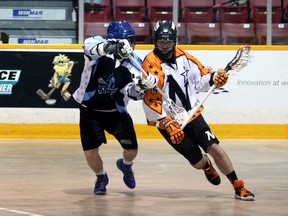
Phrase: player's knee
x=214 y=149
x=200 y=164
x=91 y=154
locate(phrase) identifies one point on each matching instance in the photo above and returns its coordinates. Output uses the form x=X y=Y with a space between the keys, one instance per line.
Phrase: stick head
x=240 y=60
x=50 y=102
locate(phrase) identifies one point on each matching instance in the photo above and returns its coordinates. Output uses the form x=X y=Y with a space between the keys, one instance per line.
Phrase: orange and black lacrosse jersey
x=180 y=82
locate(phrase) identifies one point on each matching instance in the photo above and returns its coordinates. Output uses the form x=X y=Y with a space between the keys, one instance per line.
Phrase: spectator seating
x=130 y=10
x=161 y=10
x=203 y=33
x=200 y=11
x=233 y=14
x=279 y=33
x=103 y=15
x=95 y=28
x=238 y=33
x=181 y=30
x=142 y=31
x=259 y=11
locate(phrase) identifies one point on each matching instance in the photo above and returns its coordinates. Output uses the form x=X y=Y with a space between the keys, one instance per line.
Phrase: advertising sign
x=40 y=40
x=24 y=73
x=32 y=14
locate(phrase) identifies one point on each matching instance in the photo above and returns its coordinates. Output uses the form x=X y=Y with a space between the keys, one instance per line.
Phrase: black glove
x=110 y=47
x=120 y=47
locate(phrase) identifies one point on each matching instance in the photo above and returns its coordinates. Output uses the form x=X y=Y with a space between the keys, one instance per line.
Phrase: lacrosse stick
x=179 y=113
x=240 y=60
x=231 y=2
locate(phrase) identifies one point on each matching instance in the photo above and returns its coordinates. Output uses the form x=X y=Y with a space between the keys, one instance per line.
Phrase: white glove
x=149 y=82
x=123 y=48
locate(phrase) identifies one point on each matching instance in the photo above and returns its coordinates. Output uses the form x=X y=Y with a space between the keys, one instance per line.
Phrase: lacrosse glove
x=149 y=82
x=220 y=77
x=172 y=127
x=120 y=47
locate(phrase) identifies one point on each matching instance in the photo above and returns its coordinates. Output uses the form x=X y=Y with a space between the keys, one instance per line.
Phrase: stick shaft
x=194 y=110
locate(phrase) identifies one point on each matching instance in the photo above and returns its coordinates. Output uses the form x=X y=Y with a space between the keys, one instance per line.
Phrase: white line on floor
x=19 y=212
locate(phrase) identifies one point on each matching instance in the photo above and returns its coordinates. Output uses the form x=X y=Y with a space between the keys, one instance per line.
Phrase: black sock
x=232 y=177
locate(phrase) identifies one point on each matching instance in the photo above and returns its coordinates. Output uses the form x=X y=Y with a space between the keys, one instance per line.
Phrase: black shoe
x=100 y=184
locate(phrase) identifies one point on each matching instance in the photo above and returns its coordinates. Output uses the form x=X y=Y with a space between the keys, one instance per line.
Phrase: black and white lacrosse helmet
x=165 y=30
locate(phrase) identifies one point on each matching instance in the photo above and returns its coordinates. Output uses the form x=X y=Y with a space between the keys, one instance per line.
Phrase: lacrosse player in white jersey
x=108 y=81
x=181 y=76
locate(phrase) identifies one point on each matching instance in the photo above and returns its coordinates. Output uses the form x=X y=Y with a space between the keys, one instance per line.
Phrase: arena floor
x=50 y=177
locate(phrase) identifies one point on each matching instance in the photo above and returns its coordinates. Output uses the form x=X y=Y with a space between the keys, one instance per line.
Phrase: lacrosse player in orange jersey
x=180 y=76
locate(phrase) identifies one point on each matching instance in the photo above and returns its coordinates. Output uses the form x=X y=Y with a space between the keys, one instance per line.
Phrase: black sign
x=26 y=78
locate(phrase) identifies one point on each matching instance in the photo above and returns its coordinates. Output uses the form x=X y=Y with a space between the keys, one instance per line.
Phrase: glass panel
x=199 y=22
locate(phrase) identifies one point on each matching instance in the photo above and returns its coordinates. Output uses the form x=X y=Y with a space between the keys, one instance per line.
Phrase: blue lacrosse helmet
x=120 y=30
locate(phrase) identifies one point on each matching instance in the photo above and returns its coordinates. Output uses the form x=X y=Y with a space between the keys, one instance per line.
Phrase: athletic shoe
x=100 y=184
x=128 y=175
x=211 y=174
x=241 y=192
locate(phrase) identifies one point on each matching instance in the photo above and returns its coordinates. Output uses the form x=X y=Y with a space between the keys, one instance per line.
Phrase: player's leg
x=191 y=151
x=224 y=164
x=92 y=136
x=210 y=144
x=123 y=130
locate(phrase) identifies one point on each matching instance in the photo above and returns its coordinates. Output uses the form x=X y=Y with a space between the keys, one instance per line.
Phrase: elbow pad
x=99 y=49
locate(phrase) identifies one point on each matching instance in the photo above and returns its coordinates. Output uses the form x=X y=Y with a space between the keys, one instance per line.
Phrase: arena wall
x=252 y=105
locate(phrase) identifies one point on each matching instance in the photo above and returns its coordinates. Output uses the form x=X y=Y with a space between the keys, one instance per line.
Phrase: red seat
x=197 y=11
x=259 y=11
x=203 y=33
x=142 y=31
x=95 y=28
x=233 y=14
x=181 y=32
x=279 y=33
x=103 y=15
x=238 y=33
x=129 y=10
x=285 y=11
x=161 y=10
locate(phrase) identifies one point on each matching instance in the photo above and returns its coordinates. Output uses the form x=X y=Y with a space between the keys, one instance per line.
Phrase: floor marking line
x=19 y=212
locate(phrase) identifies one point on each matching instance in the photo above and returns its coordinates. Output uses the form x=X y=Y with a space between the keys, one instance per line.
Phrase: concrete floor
x=50 y=177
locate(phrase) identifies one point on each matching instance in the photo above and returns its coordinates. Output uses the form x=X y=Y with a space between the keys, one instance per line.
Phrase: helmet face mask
x=165 y=38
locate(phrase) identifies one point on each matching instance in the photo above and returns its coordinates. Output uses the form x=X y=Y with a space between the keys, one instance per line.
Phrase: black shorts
x=94 y=123
x=197 y=134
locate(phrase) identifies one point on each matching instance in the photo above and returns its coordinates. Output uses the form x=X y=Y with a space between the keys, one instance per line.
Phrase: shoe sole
x=100 y=193
x=249 y=198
